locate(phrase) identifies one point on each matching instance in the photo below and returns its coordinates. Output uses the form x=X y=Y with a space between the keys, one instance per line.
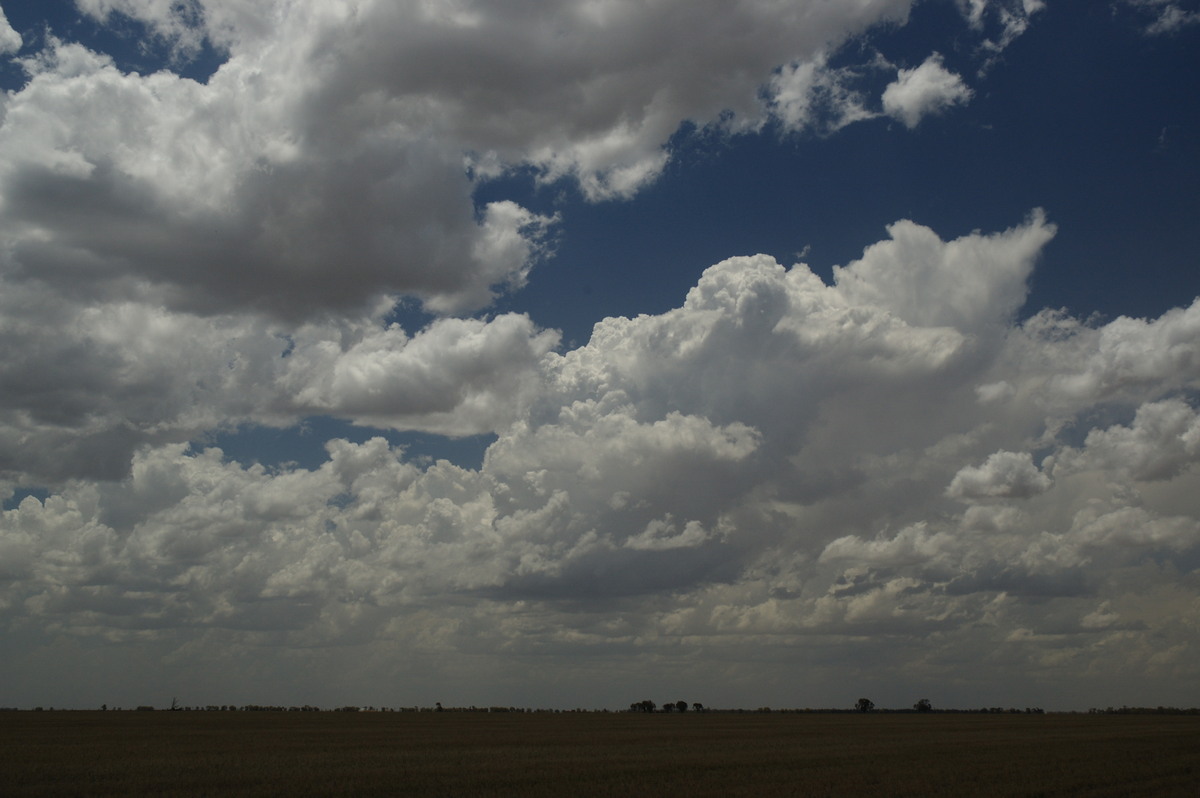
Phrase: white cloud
x=927 y=89
x=571 y=88
x=456 y=377
x=973 y=10
x=187 y=235
x=10 y=40
x=1128 y=356
x=223 y=197
x=1009 y=19
x=1165 y=16
x=1162 y=441
x=973 y=284
x=811 y=95
x=275 y=188
x=912 y=545
x=661 y=535
x=81 y=397
x=828 y=472
x=1007 y=475
x=729 y=472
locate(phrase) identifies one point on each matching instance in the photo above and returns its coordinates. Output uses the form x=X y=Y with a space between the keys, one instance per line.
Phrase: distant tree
x=923 y=705
x=698 y=707
x=438 y=707
x=668 y=707
x=864 y=705
x=681 y=706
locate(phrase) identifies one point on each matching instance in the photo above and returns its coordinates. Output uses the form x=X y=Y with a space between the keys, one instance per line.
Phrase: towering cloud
x=777 y=458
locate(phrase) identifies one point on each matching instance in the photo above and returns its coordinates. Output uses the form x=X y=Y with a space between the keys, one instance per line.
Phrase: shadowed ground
x=619 y=754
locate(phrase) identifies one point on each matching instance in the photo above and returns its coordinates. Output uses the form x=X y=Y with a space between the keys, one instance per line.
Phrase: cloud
x=10 y=40
x=889 y=463
x=1003 y=475
x=226 y=252
x=928 y=89
x=653 y=433
x=81 y=397
x=458 y=376
x=571 y=88
x=1162 y=441
x=329 y=163
x=1165 y=16
x=972 y=284
x=776 y=460
x=223 y=198
x=811 y=95
x=323 y=174
x=1008 y=18
x=1127 y=356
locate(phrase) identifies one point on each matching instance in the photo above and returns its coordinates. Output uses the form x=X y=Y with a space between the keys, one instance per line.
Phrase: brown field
x=472 y=754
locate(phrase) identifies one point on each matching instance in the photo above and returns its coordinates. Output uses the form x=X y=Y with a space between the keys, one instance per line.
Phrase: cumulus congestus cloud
x=777 y=459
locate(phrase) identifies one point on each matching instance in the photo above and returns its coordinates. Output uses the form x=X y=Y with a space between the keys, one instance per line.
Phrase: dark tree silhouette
x=681 y=706
x=698 y=707
x=923 y=705
x=864 y=705
x=668 y=707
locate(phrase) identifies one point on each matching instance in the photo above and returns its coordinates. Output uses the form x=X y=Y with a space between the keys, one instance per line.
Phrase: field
x=620 y=754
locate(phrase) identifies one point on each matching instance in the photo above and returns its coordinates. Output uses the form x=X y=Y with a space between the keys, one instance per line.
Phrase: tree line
x=862 y=705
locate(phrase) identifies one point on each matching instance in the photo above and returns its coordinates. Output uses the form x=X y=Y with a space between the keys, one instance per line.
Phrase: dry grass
x=452 y=754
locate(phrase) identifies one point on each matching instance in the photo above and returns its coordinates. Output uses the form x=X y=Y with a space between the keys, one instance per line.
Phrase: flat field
x=619 y=754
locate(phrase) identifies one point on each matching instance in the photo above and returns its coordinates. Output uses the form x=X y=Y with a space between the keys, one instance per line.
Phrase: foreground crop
x=451 y=754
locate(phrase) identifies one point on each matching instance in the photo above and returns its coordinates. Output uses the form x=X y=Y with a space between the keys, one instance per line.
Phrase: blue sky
x=359 y=352
x=1061 y=121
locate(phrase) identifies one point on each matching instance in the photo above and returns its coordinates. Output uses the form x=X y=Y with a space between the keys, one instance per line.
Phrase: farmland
x=618 y=754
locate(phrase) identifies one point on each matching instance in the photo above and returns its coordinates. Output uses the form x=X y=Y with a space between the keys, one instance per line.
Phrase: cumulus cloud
x=1007 y=475
x=1127 y=356
x=322 y=166
x=1162 y=441
x=456 y=377
x=887 y=463
x=735 y=466
x=584 y=89
x=10 y=40
x=927 y=89
x=325 y=172
x=223 y=197
x=117 y=375
x=971 y=284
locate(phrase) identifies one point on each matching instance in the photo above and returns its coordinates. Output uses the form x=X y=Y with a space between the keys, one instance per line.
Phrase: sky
x=572 y=353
